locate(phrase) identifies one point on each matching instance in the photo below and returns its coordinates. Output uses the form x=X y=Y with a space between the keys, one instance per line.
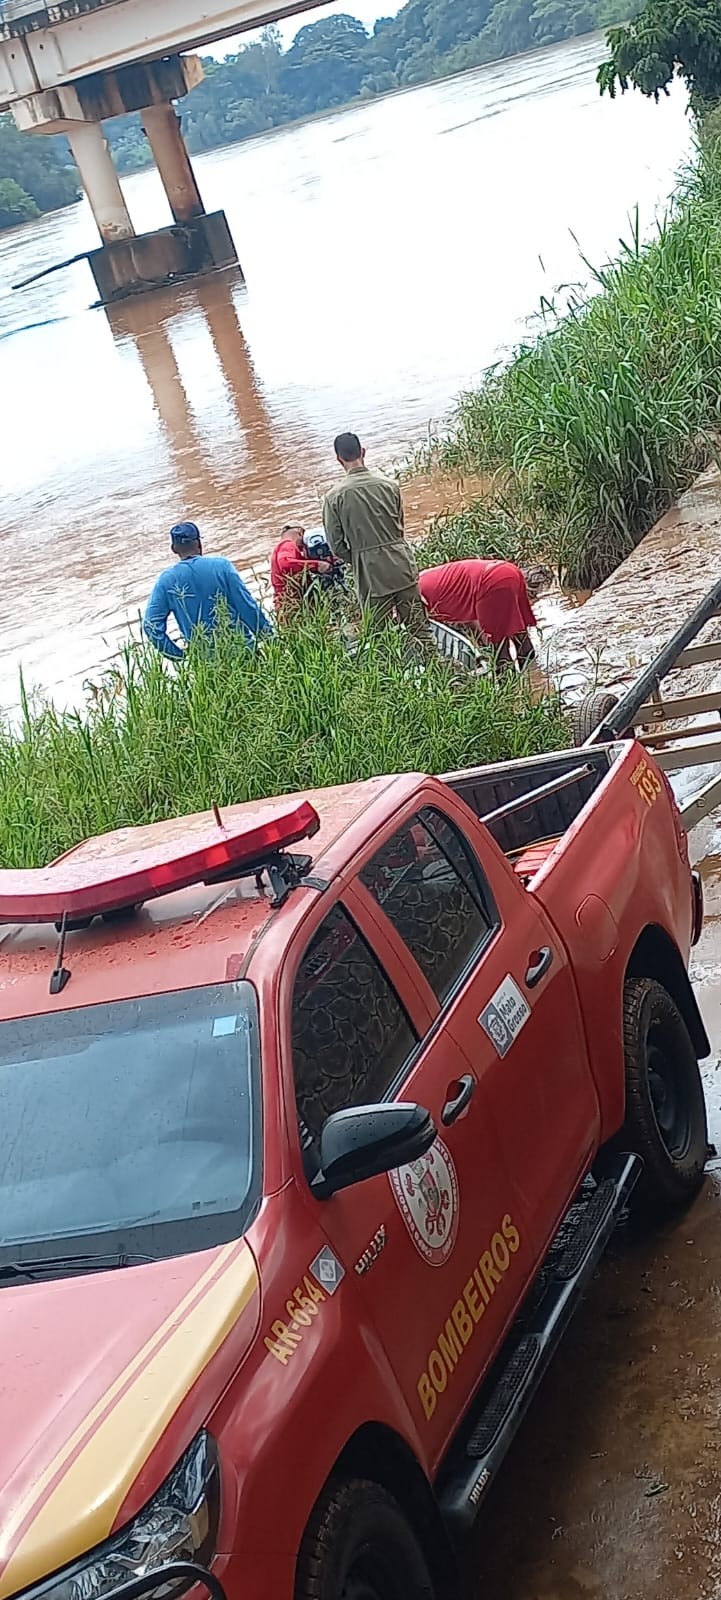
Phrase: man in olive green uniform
x=363 y=521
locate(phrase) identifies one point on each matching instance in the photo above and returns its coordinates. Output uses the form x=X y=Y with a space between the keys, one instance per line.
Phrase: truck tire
x=590 y=712
x=665 y=1107
x=359 y=1546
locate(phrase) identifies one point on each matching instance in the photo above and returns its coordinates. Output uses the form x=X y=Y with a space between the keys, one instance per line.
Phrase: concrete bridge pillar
x=130 y=263
x=162 y=125
x=100 y=181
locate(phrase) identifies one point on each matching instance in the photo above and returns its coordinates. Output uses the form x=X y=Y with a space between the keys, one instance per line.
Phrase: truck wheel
x=359 y=1546
x=665 y=1107
x=590 y=712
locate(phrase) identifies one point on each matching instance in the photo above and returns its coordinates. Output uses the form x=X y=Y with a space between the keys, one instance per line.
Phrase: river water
x=390 y=251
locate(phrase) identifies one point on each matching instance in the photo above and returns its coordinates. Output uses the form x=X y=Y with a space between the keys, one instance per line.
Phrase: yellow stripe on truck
x=15 y=1519
x=80 y=1510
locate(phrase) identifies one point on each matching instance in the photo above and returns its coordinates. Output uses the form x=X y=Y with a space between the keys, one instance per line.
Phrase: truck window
x=131 y=1124
x=351 y=1036
x=431 y=888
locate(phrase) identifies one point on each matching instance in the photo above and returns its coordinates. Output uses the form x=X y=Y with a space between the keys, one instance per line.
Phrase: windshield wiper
x=60 y=1266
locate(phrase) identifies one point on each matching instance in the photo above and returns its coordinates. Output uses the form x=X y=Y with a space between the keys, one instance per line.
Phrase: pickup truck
x=308 y=1155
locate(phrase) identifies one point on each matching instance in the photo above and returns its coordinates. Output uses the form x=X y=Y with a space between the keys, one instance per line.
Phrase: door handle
x=540 y=962
x=453 y=1108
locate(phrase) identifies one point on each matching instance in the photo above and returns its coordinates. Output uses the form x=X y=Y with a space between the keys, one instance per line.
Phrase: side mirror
x=361 y=1142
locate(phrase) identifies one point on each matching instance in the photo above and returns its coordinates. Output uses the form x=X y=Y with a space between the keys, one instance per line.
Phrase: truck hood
x=94 y=1369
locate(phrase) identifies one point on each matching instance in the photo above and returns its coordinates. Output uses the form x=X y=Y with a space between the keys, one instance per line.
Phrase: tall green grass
x=488 y=527
x=232 y=725
x=595 y=426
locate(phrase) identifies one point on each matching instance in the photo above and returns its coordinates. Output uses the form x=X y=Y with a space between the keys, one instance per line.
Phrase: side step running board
x=505 y=1397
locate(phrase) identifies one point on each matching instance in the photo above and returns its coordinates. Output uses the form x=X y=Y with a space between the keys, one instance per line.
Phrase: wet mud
x=624 y=623
x=612 y=1487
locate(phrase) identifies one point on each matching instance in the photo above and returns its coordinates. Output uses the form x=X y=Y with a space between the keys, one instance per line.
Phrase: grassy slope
x=598 y=424
x=234 y=726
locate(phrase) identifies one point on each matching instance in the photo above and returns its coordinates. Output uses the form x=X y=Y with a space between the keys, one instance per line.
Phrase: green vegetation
x=157 y=743
x=35 y=175
x=334 y=61
x=668 y=40
x=596 y=426
x=490 y=527
x=15 y=205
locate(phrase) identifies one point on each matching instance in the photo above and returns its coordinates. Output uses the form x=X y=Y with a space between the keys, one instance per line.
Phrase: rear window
x=432 y=890
x=130 y=1126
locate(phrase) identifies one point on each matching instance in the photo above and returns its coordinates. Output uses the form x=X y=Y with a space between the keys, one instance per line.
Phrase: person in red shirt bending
x=490 y=597
x=292 y=569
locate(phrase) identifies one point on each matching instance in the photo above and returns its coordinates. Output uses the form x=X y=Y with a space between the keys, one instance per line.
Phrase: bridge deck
x=18 y=17
x=43 y=47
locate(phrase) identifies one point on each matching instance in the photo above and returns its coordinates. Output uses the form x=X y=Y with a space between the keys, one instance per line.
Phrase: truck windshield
x=130 y=1126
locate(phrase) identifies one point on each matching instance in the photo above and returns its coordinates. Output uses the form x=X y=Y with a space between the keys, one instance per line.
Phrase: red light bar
x=87 y=887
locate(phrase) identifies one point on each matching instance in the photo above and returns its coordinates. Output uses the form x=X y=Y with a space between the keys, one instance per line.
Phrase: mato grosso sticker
x=504 y=1016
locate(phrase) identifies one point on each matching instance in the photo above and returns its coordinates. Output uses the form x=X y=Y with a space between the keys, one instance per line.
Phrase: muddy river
x=219 y=402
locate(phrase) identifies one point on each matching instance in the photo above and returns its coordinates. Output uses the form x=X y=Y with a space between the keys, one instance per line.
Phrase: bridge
x=70 y=66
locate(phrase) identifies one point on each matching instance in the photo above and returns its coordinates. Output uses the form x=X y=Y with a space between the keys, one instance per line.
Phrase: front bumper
x=186 y=1572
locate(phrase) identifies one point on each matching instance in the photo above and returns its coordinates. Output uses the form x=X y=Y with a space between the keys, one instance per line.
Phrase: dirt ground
x=613 y=1485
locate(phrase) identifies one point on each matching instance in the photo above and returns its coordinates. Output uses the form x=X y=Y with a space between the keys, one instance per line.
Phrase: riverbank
x=235 y=725
x=610 y=639
x=625 y=622
x=594 y=428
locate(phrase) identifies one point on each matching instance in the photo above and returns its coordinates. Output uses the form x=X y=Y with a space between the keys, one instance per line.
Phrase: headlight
x=180 y=1523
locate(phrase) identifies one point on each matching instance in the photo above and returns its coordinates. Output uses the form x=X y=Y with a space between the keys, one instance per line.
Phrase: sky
x=366 y=10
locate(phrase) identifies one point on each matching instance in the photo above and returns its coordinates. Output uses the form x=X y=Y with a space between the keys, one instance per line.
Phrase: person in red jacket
x=292 y=569
x=489 y=597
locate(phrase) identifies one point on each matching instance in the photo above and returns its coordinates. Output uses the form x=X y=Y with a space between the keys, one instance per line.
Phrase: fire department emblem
x=426 y=1193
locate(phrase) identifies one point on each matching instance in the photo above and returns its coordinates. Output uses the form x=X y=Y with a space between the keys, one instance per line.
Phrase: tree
x=326 y=63
x=39 y=165
x=452 y=22
x=128 y=143
x=561 y=19
x=510 y=27
x=269 y=53
x=669 y=38
x=15 y=205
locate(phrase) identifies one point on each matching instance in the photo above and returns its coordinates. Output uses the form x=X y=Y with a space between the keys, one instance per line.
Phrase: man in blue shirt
x=191 y=591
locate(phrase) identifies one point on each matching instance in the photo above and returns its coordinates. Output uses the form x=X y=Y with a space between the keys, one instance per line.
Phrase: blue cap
x=185 y=533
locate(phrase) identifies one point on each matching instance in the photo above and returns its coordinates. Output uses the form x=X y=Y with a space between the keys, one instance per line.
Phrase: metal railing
x=659 y=718
x=628 y=711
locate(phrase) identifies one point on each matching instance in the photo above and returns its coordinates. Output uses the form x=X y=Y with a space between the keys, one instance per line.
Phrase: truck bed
x=485 y=789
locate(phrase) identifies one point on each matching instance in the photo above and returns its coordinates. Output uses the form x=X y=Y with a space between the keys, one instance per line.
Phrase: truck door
x=507 y=1000
x=436 y=1249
